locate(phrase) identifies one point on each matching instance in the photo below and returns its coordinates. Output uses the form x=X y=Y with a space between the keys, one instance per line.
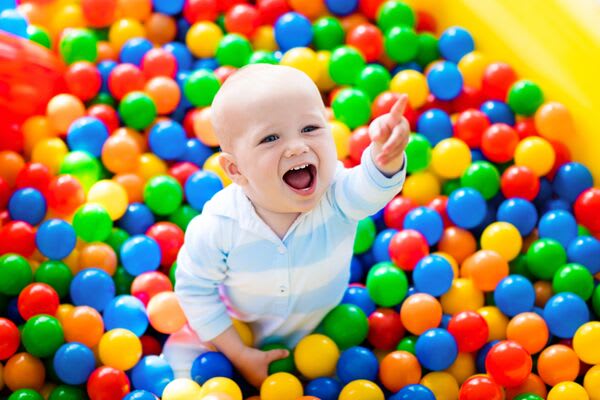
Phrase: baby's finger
x=378 y=132
x=399 y=134
x=397 y=111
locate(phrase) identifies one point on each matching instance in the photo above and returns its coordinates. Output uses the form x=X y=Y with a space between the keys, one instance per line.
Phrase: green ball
x=545 y=257
x=66 y=392
x=418 y=153
x=104 y=98
x=183 y=216
x=83 y=166
x=387 y=284
x=345 y=65
x=42 y=335
x=428 y=49
x=234 y=50
x=528 y=396
x=450 y=186
x=15 y=274
x=525 y=97
x=518 y=266
x=173 y=272
x=483 y=177
x=55 y=274
x=263 y=57
x=574 y=278
x=408 y=344
x=373 y=80
x=201 y=87
x=78 y=45
x=116 y=239
x=328 y=33
x=39 y=35
x=137 y=110
x=596 y=300
x=163 y=195
x=401 y=44
x=122 y=281
x=365 y=235
x=92 y=223
x=25 y=394
x=395 y=13
x=352 y=107
x=282 y=365
x=346 y=325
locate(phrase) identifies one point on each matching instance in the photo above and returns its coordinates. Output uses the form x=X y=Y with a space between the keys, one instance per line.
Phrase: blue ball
x=7 y=4
x=466 y=208
x=169 y=7
x=482 y=354
x=181 y=53
x=74 y=363
x=127 y=312
x=209 y=64
x=153 y=374
x=571 y=179
x=414 y=392
x=196 y=152
x=356 y=270
x=477 y=155
x=435 y=125
x=210 y=365
x=137 y=219
x=544 y=194
x=12 y=21
x=134 y=50
x=140 y=395
x=293 y=30
x=140 y=254
x=455 y=42
x=341 y=7
x=381 y=245
x=514 y=295
x=585 y=250
x=27 y=205
x=436 y=349
x=168 y=140
x=105 y=68
x=200 y=187
x=183 y=26
x=55 y=239
x=87 y=134
x=559 y=225
x=324 y=388
x=433 y=275
x=498 y=111
x=565 y=313
x=359 y=296
x=519 y=212
x=445 y=80
x=357 y=363
x=92 y=287
x=426 y=221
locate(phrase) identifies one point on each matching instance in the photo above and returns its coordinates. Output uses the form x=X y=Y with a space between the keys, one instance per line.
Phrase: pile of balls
x=478 y=281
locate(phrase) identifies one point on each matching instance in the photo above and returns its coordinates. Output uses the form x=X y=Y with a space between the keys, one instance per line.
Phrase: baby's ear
x=227 y=162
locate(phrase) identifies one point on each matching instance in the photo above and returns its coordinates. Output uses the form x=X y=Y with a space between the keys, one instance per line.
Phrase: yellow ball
x=341 y=136
x=361 y=389
x=536 y=153
x=450 y=158
x=50 y=152
x=281 y=386
x=324 y=83
x=421 y=187
x=221 y=385
x=123 y=30
x=472 y=66
x=212 y=164
x=67 y=16
x=151 y=165
x=110 y=195
x=503 y=238
x=568 y=391
x=203 y=39
x=462 y=296
x=181 y=389
x=35 y=129
x=463 y=367
x=412 y=83
x=120 y=348
x=496 y=321
x=586 y=342
x=316 y=355
x=591 y=382
x=264 y=39
x=442 y=384
x=304 y=59
x=244 y=331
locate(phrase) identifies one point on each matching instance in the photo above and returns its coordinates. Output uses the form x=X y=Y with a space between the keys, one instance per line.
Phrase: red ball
x=369 y=8
x=470 y=331
x=188 y=122
x=508 y=363
x=468 y=98
x=182 y=171
x=383 y=103
x=497 y=80
x=9 y=338
x=225 y=5
x=106 y=114
x=385 y=329
x=519 y=181
x=37 y=298
x=107 y=383
x=169 y=238
x=368 y=39
x=34 y=175
x=83 y=80
x=499 y=142
x=125 y=78
x=243 y=19
x=407 y=247
x=587 y=209
x=526 y=128
x=200 y=10
x=65 y=194
x=425 y=22
x=17 y=237
x=433 y=102
x=5 y=193
x=224 y=72
x=99 y=13
x=395 y=211
x=159 y=62
x=359 y=141
x=148 y=284
x=562 y=156
x=440 y=204
x=150 y=346
x=271 y=10
x=480 y=387
x=470 y=126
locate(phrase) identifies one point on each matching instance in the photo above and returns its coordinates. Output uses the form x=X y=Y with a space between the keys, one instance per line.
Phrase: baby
x=277 y=243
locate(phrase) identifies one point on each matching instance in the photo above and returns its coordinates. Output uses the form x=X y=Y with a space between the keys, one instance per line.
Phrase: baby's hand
x=253 y=364
x=389 y=134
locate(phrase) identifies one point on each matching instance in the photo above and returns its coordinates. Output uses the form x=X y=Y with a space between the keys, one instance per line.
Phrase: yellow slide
x=555 y=43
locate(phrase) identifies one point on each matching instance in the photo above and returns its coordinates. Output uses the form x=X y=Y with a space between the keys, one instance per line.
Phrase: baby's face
x=281 y=143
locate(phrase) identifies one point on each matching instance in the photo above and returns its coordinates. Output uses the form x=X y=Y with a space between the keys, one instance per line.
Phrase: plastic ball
x=514 y=295
x=496 y=322
x=124 y=29
x=167 y=140
x=200 y=187
x=180 y=389
x=92 y=222
x=442 y=384
x=418 y=150
x=545 y=257
x=398 y=369
x=304 y=59
x=121 y=154
x=84 y=325
x=585 y=250
x=564 y=313
x=568 y=390
x=591 y=381
x=137 y=110
x=165 y=93
x=482 y=176
x=37 y=298
x=425 y=221
x=78 y=45
x=361 y=389
x=42 y=335
x=203 y=38
x=436 y=349
x=497 y=80
x=92 y=287
x=27 y=205
x=574 y=278
x=502 y=238
x=554 y=121
x=387 y=284
x=420 y=312
x=445 y=80
x=524 y=97
x=55 y=239
x=159 y=62
x=281 y=385
x=508 y=363
x=140 y=254
x=234 y=50
x=571 y=180
x=107 y=383
x=165 y=313
x=586 y=209
x=316 y=356
x=70 y=354
x=124 y=79
x=499 y=142
x=401 y=43
x=119 y=348
x=9 y=333
x=24 y=371
x=480 y=387
x=520 y=213
x=201 y=87
x=412 y=83
x=385 y=329
x=470 y=126
x=83 y=80
x=225 y=386
x=529 y=330
x=520 y=182
x=466 y=208
x=163 y=195
x=153 y=374
x=458 y=243
x=433 y=275
x=463 y=295
x=450 y=158
x=469 y=329
x=345 y=65
x=293 y=30
x=211 y=365
x=126 y=312
x=558 y=363
x=535 y=153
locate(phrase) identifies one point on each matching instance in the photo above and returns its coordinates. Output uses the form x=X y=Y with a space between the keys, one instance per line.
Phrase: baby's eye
x=309 y=128
x=270 y=138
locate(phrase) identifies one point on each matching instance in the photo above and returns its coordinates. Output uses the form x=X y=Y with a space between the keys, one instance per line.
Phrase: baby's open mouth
x=301 y=178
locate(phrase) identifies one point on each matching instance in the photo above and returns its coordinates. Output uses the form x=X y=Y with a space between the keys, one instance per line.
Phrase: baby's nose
x=296 y=148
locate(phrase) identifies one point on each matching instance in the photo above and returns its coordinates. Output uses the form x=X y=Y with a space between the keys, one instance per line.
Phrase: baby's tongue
x=299 y=179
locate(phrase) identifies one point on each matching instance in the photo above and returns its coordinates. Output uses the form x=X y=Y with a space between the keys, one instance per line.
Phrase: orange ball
x=309 y=8
x=486 y=269
x=533 y=384
x=106 y=52
x=420 y=312
x=203 y=128
x=22 y=371
x=352 y=21
x=133 y=185
x=398 y=369
x=139 y=138
x=135 y=9
x=121 y=153
x=458 y=242
x=98 y=255
x=35 y=129
x=160 y=29
x=83 y=325
x=529 y=330
x=164 y=92
x=10 y=165
x=554 y=121
x=62 y=110
x=558 y=363
x=543 y=292
x=165 y=313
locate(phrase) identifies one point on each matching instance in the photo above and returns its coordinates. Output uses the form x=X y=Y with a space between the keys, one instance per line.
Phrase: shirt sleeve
x=201 y=268
x=363 y=190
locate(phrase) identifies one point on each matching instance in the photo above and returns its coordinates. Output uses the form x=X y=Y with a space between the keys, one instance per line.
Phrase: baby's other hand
x=253 y=364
